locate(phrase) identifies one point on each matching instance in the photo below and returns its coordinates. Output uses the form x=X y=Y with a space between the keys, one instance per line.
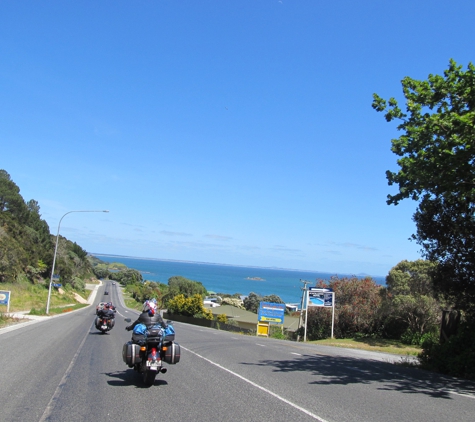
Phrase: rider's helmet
x=107 y=306
x=153 y=301
x=146 y=306
x=152 y=308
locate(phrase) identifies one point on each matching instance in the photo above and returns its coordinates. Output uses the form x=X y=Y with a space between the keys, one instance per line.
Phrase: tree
x=357 y=303
x=252 y=302
x=437 y=169
x=181 y=285
x=127 y=276
x=409 y=298
x=272 y=299
x=10 y=199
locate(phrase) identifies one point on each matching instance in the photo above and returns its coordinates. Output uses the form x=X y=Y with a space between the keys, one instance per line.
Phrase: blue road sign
x=271 y=312
x=4 y=297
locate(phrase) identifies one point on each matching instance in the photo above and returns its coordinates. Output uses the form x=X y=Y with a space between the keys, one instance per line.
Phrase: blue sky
x=236 y=132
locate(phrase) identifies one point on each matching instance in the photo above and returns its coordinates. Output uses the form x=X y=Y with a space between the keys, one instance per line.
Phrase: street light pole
x=56 y=250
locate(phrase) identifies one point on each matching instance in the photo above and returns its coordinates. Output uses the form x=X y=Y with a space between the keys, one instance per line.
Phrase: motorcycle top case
x=131 y=353
x=171 y=353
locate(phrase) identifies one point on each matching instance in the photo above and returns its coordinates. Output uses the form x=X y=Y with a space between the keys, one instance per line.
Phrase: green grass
x=372 y=344
x=129 y=301
x=57 y=310
x=25 y=296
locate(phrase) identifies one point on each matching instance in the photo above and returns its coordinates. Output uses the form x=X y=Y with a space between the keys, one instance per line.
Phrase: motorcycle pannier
x=171 y=353
x=131 y=353
x=169 y=333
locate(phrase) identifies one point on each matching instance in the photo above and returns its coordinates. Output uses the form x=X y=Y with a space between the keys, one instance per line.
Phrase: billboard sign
x=5 y=298
x=320 y=297
x=271 y=312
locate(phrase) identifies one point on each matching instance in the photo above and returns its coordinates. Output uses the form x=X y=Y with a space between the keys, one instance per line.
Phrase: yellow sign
x=263 y=329
x=270 y=319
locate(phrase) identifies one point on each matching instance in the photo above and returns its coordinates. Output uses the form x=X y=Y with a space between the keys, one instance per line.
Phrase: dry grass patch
x=371 y=344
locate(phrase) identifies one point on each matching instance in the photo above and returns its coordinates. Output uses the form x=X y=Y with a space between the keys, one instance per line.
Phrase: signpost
x=322 y=297
x=55 y=281
x=5 y=298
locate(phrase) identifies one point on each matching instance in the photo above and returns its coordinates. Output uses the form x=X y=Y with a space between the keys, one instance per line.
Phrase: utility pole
x=304 y=295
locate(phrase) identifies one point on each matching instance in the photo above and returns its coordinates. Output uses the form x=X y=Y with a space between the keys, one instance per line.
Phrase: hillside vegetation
x=27 y=249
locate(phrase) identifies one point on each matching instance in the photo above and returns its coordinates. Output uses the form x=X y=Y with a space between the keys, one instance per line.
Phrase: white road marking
x=52 y=403
x=318 y=418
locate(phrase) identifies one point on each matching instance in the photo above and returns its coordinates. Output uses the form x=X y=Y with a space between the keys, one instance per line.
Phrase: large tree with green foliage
x=409 y=305
x=25 y=242
x=437 y=169
x=253 y=301
x=181 y=285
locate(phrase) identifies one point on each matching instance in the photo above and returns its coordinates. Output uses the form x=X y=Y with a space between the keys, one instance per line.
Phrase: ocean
x=230 y=279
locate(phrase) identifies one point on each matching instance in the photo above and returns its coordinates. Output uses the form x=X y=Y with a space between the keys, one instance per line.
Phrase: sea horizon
x=230 y=279
x=234 y=265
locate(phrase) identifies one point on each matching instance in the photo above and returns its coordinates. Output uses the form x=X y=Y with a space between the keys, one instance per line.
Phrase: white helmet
x=146 y=306
x=152 y=308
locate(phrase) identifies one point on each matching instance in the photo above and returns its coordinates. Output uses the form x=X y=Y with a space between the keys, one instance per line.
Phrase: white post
x=54 y=256
x=333 y=311
x=306 y=316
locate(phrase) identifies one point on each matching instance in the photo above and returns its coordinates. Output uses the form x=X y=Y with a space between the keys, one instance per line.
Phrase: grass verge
x=25 y=295
x=129 y=301
x=6 y=320
x=57 y=310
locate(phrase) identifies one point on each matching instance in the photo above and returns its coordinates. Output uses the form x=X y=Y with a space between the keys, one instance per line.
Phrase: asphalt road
x=63 y=369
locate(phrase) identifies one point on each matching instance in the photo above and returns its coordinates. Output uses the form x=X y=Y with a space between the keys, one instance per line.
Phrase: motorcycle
x=104 y=324
x=147 y=353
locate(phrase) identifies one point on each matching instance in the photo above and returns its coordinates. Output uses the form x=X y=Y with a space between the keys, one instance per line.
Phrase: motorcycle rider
x=149 y=316
x=108 y=313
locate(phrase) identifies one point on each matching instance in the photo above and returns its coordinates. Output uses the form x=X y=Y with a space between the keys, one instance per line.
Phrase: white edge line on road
x=52 y=403
x=318 y=418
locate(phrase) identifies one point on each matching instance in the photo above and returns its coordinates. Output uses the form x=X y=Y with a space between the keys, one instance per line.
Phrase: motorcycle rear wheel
x=149 y=377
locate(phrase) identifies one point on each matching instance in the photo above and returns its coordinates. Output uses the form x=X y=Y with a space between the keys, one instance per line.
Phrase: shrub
x=222 y=318
x=455 y=357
